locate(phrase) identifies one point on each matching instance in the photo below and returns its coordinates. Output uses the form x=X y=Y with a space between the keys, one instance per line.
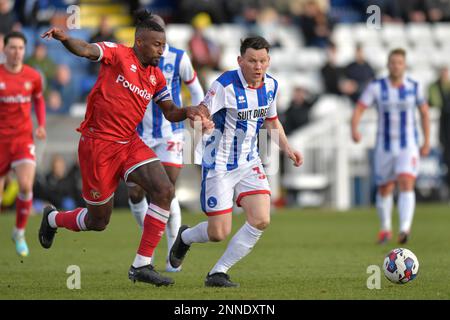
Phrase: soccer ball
x=401 y=266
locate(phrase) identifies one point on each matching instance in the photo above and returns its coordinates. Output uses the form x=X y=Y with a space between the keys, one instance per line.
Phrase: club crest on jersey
x=133 y=68
x=270 y=96
x=168 y=68
x=153 y=80
x=27 y=85
x=2 y=86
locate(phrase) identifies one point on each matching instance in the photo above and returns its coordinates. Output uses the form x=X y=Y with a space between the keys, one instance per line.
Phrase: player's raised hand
x=55 y=33
x=296 y=157
x=41 y=133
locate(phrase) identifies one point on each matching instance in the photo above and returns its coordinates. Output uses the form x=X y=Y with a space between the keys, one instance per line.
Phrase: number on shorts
x=174 y=146
x=258 y=171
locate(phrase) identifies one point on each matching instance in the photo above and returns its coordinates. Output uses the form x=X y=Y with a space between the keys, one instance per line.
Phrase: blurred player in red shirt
x=110 y=148
x=20 y=86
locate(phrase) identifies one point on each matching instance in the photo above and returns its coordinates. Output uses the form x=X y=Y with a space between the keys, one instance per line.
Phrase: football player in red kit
x=110 y=148
x=20 y=87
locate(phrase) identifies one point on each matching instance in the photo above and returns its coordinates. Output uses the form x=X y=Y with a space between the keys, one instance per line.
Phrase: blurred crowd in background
x=68 y=79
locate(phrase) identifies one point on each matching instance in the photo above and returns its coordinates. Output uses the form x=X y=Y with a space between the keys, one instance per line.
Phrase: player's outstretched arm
x=283 y=143
x=425 y=121
x=356 y=118
x=77 y=46
x=175 y=114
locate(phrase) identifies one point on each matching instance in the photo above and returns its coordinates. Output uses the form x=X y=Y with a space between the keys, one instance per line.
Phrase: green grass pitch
x=305 y=254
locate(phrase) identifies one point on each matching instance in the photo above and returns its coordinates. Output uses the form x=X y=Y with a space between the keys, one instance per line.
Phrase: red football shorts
x=16 y=151
x=103 y=163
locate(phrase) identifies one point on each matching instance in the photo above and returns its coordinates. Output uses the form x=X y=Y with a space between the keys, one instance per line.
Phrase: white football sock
x=384 y=210
x=52 y=219
x=18 y=233
x=196 y=234
x=406 y=206
x=139 y=209
x=173 y=224
x=140 y=261
x=240 y=245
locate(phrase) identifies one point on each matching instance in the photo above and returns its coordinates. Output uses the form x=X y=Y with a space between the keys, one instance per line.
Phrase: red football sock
x=74 y=220
x=154 y=225
x=23 y=208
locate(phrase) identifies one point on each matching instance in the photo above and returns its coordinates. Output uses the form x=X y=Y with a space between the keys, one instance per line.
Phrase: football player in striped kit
x=397 y=152
x=240 y=102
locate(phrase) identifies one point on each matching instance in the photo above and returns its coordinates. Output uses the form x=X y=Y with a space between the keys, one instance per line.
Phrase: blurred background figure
x=333 y=76
x=7 y=17
x=43 y=63
x=297 y=115
x=2 y=54
x=438 y=10
x=104 y=33
x=204 y=52
x=314 y=24
x=360 y=72
x=439 y=96
x=56 y=187
x=61 y=91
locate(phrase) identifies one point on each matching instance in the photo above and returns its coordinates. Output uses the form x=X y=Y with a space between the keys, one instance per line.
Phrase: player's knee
x=263 y=224
x=164 y=193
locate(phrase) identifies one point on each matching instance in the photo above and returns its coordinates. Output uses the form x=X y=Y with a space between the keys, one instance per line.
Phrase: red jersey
x=124 y=88
x=17 y=91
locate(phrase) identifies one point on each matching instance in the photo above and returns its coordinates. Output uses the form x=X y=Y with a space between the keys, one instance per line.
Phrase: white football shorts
x=220 y=187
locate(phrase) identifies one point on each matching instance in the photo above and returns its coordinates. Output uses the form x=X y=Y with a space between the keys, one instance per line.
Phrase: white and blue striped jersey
x=238 y=112
x=396 y=106
x=176 y=67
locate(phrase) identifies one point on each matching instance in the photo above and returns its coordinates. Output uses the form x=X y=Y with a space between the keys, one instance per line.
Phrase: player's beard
x=154 y=62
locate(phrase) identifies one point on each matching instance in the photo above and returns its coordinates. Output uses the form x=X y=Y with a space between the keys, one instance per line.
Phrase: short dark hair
x=256 y=43
x=144 y=20
x=14 y=34
x=399 y=51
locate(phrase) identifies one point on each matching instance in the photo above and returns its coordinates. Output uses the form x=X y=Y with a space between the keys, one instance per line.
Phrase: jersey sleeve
x=367 y=98
x=108 y=52
x=420 y=95
x=215 y=98
x=161 y=91
x=187 y=72
x=272 y=97
x=37 y=86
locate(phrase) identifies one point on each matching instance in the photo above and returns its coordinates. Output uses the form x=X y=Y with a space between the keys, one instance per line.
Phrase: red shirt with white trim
x=119 y=99
x=17 y=92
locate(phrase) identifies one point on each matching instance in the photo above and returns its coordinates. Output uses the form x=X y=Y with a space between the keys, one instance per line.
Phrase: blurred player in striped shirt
x=397 y=153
